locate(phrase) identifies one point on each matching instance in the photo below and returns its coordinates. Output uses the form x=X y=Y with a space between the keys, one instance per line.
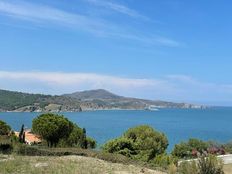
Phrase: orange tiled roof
x=30 y=137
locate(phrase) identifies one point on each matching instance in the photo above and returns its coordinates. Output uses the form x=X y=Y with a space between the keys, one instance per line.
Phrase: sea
x=179 y=125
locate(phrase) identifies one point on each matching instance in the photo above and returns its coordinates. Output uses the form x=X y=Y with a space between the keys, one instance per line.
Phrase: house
x=30 y=138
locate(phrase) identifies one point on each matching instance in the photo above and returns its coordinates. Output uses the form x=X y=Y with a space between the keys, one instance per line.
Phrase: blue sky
x=157 y=49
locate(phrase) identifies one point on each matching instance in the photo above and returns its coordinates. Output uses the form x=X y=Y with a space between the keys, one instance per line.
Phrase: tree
x=22 y=135
x=4 y=128
x=84 y=144
x=74 y=139
x=52 y=127
x=141 y=142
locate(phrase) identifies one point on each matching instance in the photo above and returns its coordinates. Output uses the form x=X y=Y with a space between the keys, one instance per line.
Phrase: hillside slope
x=79 y=101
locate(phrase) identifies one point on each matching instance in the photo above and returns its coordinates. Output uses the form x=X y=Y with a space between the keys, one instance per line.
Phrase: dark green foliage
x=77 y=138
x=22 y=135
x=121 y=146
x=74 y=139
x=91 y=143
x=84 y=144
x=190 y=149
x=6 y=144
x=141 y=142
x=58 y=130
x=52 y=128
x=4 y=128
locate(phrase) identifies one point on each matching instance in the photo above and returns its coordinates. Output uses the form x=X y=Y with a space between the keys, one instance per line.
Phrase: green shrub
x=210 y=165
x=91 y=143
x=141 y=143
x=190 y=149
x=205 y=165
x=4 y=128
x=164 y=161
x=188 y=168
x=121 y=146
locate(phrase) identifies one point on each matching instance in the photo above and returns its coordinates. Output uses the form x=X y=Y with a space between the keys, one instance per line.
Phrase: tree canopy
x=52 y=127
x=59 y=131
x=141 y=142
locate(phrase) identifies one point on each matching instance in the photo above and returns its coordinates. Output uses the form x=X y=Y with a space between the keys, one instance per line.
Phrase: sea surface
x=178 y=124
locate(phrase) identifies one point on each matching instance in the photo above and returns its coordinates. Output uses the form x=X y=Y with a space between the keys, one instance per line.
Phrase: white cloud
x=173 y=88
x=118 y=8
x=47 y=16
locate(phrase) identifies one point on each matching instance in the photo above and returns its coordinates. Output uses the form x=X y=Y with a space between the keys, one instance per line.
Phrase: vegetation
x=94 y=99
x=205 y=165
x=67 y=164
x=141 y=142
x=59 y=131
x=4 y=128
x=140 y=145
x=52 y=128
x=194 y=148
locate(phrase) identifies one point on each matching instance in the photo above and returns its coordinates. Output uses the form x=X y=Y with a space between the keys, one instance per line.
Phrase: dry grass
x=66 y=165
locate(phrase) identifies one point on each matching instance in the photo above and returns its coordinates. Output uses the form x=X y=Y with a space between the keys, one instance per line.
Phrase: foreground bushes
x=193 y=148
x=205 y=165
x=141 y=143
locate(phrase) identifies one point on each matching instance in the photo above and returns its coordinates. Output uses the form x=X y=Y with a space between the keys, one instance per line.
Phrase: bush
x=121 y=146
x=205 y=165
x=210 y=165
x=6 y=148
x=91 y=143
x=188 y=168
x=6 y=144
x=4 y=128
x=141 y=142
x=164 y=161
x=190 y=149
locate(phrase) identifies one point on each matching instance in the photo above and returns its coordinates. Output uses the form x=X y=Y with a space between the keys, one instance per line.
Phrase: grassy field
x=66 y=164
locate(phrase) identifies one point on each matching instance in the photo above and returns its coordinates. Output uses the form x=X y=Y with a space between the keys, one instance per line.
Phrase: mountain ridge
x=98 y=99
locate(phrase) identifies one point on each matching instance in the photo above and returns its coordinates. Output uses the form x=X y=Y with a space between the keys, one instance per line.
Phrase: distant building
x=30 y=138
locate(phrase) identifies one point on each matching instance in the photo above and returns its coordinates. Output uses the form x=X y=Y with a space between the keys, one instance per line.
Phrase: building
x=30 y=138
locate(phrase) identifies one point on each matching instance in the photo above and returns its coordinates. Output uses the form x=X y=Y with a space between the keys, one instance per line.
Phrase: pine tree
x=21 y=134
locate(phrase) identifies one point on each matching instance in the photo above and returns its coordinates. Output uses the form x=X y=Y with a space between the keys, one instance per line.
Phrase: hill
x=99 y=99
x=94 y=94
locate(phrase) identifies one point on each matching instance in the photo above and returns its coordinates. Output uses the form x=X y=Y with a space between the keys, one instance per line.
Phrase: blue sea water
x=178 y=124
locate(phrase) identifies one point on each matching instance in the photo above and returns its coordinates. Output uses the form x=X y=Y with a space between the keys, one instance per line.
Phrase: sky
x=170 y=50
